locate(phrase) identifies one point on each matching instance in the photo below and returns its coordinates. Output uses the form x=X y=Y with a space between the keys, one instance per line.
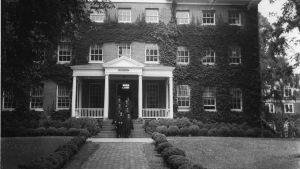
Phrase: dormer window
x=183 y=17
x=208 y=18
x=124 y=50
x=152 y=16
x=288 y=92
x=97 y=16
x=124 y=15
x=234 y=18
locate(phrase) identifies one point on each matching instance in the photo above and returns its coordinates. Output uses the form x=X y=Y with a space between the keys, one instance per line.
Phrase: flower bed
x=185 y=127
x=173 y=156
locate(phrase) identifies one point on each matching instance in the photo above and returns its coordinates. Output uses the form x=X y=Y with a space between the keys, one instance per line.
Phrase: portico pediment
x=123 y=62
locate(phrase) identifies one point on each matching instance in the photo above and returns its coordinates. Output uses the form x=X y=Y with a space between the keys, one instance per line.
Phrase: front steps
x=108 y=131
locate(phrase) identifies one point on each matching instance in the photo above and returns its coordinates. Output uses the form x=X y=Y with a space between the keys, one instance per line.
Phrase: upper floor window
x=183 y=17
x=124 y=49
x=209 y=99
x=124 y=15
x=64 y=53
x=152 y=16
x=96 y=54
x=36 y=98
x=234 y=18
x=63 y=97
x=183 y=96
x=235 y=55
x=270 y=107
x=236 y=99
x=208 y=18
x=182 y=55
x=39 y=55
x=8 y=100
x=288 y=92
x=210 y=57
x=289 y=108
x=97 y=16
x=152 y=53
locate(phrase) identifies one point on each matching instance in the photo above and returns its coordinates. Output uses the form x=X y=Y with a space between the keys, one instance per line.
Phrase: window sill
x=124 y=22
x=210 y=110
x=151 y=62
x=8 y=109
x=63 y=62
x=213 y=24
x=184 y=109
x=58 y=109
x=236 y=110
x=235 y=64
x=208 y=64
x=37 y=109
x=235 y=24
x=182 y=64
x=96 y=62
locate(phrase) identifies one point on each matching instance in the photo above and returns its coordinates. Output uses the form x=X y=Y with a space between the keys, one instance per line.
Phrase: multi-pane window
x=124 y=49
x=97 y=16
x=63 y=97
x=152 y=16
x=270 y=107
x=234 y=18
x=235 y=55
x=183 y=96
x=209 y=99
x=210 y=57
x=289 y=108
x=96 y=54
x=124 y=15
x=64 y=53
x=8 y=100
x=208 y=17
x=236 y=99
x=36 y=97
x=288 y=91
x=183 y=17
x=182 y=55
x=152 y=53
x=38 y=55
x=152 y=95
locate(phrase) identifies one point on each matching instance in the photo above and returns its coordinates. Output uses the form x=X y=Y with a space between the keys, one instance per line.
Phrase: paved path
x=117 y=155
x=120 y=140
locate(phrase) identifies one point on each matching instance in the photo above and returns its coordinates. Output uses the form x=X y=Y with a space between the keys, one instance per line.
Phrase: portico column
x=106 y=97
x=171 y=95
x=167 y=95
x=74 y=97
x=140 y=96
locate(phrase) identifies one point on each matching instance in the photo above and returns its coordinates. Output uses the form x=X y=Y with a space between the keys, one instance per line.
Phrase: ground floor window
x=63 y=97
x=236 y=99
x=95 y=95
x=270 y=107
x=183 y=96
x=209 y=99
x=152 y=95
x=8 y=100
x=289 y=108
x=36 y=97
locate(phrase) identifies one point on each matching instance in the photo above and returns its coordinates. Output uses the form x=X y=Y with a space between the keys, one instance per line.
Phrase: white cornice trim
x=201 y=2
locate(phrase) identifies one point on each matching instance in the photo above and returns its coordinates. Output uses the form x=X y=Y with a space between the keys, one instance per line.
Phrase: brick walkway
x=118 y=156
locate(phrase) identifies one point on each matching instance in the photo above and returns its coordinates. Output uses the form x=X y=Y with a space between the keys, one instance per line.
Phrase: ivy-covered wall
x=196 y=38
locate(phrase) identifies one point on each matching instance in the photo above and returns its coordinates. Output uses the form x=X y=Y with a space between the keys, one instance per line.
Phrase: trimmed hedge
x=160 y=147
x=60 y=156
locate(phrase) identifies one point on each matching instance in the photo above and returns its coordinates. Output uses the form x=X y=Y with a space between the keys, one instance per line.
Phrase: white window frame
x=287 y=88
x=179 y=58
x=208 y=52
x=10 y=96
x=124 y=46
x=152 y=15
x=152 y=47
x=271 y=107
x=40 y=96
x=122 y=15
x=212 y=96
x=99 y=53
x=95 y=15
x=67 y=49
x=184 y=98
x=58 y=97
x=233 y=96
x=182 y=20
x=235 y=53
x=289 y=104
x=239 y=19
x=205 y=12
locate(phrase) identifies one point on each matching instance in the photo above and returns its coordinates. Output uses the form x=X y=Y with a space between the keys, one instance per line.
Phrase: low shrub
x=203 y=132
x=61 y=115
x=62 y=131
x=167 y=122
x=159 y=138
x=200 y=124
x=191 y=166
x=175 y=161
x=183 y=122
x=267 y=133
x=194 y=130
x=162 y=129
x=213 y=132
x=41 y=131
x=73 y=132
x=84 y=132
x=167 y=152
x=253 y=132
x=61 y=155
x=51 y=131
x=184 y=131
x=160 y=147
x=172 y=131
x=224 y=131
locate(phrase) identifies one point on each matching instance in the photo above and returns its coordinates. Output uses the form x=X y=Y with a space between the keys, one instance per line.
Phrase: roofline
x=200 y=2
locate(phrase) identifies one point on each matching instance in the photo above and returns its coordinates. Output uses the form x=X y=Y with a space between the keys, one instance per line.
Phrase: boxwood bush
x=172 y=131
x=160 y=147
x=184 y=131
x=175 y=161
x=167 y=152
x=194 y=130
x=162 y=129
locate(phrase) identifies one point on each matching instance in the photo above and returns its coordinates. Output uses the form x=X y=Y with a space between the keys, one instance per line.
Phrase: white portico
x=96 y=86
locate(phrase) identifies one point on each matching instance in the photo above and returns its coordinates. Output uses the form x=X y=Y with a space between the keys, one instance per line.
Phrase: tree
x=31 y=30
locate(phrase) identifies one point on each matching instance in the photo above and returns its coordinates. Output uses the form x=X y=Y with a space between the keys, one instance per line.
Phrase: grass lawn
x=19 y=150
x=241 y=153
